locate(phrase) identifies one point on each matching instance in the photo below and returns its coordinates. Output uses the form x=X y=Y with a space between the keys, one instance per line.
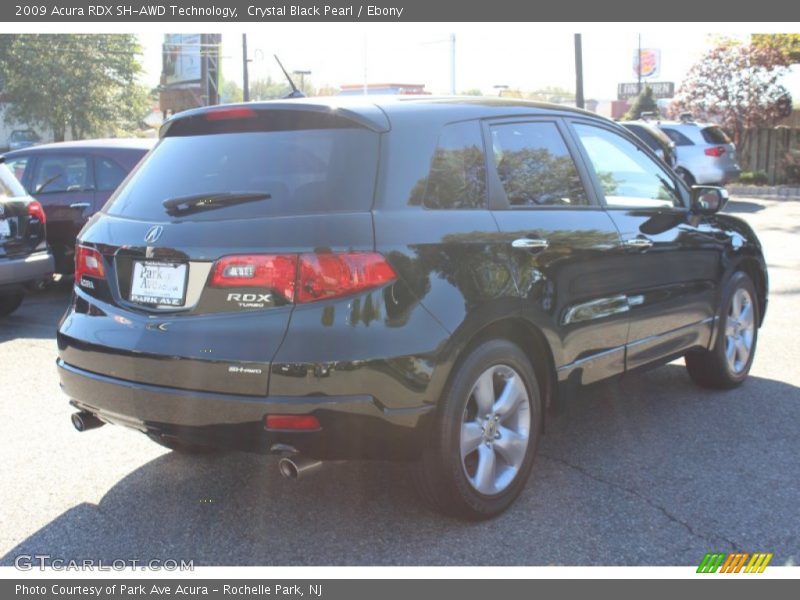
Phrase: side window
x=457 y=178
x=535 y=166
x=108 y=174
x=62 y=173
x=677 y=137
x=17 y=166
x=629 y=178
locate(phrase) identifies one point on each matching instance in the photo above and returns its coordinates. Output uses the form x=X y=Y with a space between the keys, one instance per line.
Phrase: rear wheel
x=481 y=450
x=9 y=303
x=727 y=364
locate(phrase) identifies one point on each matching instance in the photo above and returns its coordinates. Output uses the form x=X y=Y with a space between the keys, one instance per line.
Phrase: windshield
x=301 y=171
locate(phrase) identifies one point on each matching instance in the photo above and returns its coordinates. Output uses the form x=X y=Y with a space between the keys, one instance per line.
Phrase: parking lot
x=647 y=470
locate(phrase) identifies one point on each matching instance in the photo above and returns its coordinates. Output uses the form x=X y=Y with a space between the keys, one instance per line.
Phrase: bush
x=753 y=178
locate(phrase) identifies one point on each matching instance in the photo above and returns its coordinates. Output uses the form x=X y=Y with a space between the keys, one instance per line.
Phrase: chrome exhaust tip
x=294 y=467
x=84 y=421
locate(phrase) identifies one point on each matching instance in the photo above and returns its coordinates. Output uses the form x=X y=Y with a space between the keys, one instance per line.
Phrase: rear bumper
x=354 y=426
x=26 y=270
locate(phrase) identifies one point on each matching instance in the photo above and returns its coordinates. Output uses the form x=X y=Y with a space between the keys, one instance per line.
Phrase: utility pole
x=579 y=102
x=453 y=64
x=639 y=67
x=245 y=77
x=302 y=79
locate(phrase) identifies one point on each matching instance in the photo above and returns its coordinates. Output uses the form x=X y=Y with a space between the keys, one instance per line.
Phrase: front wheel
x=728 y=363
x=481 y=449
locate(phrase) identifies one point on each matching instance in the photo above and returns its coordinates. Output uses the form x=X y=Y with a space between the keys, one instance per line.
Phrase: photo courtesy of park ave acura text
x=340 y=285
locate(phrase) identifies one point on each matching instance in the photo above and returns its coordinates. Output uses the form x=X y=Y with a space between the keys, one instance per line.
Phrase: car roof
x=377 y=111
x=98 y=144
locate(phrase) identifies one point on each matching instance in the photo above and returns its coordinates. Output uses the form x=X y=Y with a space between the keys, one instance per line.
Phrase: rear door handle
x=638 y=243
x=80 y=205
x=530 y=244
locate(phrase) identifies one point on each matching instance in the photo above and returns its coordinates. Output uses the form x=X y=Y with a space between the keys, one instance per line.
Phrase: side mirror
x=707 y=200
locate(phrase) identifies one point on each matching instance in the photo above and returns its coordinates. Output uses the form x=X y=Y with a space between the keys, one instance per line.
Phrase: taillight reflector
x=305 y=277
x=35 y=211
x=88 y=262
x=292 y=422
x=716 y=151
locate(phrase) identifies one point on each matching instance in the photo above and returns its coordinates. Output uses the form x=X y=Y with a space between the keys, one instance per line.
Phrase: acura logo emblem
x=153 y=234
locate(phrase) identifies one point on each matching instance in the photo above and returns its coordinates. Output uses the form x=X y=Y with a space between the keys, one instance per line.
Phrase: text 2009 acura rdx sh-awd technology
x=413 y=278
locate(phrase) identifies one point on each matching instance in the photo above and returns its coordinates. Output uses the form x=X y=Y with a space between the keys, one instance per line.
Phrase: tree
x=84 y=84
x=738 y=87
x=552 y=94
x=229 y=91
x=643 y=103
x=472 y=92
x=788 y=43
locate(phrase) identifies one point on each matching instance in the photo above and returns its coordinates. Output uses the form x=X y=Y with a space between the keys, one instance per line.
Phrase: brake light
x=292 y=422
x=233 y=112
x=306 y=277
x=88 y=262
x=716 y=151
x=35 y=211
x=276 y=272
x=322 y=276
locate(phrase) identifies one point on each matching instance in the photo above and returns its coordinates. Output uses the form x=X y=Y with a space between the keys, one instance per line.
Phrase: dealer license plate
x=156 y=283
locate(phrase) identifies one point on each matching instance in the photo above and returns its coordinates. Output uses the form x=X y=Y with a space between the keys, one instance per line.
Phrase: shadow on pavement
x=742 y=206
x=39 y=314
x=644 y=470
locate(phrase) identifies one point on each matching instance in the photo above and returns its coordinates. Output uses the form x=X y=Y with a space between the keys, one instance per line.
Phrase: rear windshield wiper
x=186 y=205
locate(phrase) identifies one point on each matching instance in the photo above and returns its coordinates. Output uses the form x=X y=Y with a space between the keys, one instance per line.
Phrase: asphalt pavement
x=646 y=470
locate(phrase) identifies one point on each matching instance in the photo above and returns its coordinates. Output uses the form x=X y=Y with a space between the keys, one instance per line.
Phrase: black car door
x=673 y=259
x=564 y=247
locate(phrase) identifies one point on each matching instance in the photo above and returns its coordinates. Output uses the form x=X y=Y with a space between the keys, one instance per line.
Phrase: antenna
x=295 y=93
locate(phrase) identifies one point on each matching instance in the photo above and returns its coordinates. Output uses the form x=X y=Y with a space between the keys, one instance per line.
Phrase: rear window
x=288 y=172
x=9 y=186
x=677 y=137
x=715 y=135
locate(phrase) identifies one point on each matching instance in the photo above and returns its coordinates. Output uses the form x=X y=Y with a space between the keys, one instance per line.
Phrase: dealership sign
x=182 y=60
x=661 y=89
x=648 y=60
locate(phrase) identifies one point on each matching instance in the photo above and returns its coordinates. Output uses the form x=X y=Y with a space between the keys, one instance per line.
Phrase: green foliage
x=788 y=43
x=84 y=84
x=229 y=91
x=643 y=103
x=268 y=89
x=753 y=177
x=472 y=92
x=553 y=94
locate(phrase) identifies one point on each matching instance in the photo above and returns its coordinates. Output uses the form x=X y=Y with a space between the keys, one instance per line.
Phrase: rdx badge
x=250 y=300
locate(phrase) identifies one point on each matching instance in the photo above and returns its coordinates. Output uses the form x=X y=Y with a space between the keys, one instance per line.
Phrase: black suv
x=25 y=260
x=416 y=278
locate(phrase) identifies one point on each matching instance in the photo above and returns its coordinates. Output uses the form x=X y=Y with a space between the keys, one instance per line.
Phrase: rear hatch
x=21 y=219
x=190 y=273
x=721 y=148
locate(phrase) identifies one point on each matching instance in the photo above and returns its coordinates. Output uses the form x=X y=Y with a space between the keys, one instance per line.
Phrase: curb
x=765 y=191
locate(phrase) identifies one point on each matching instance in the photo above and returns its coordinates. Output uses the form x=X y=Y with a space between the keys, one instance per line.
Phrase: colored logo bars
x=735 y=562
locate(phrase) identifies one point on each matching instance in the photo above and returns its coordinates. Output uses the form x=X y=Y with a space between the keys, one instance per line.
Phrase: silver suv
x=705 y=154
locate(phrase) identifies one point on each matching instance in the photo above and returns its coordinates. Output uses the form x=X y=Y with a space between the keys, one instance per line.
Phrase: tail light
x=292 y=422
x=716 y=151
x=35 y=211
x=88 y=262
x=305 y=277
x=233 y=112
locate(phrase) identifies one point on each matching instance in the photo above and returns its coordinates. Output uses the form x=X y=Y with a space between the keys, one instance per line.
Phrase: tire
x=738 y=324
x=464 y=486
x=180 y=446
x=9 y=303
x=687 y=177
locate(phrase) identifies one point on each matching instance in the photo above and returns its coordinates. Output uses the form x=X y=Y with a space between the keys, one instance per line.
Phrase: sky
x=525 y=56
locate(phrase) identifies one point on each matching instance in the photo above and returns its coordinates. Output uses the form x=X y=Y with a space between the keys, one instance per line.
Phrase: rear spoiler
x=367 y=116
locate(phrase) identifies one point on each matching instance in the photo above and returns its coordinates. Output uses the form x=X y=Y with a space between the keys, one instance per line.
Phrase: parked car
x=657 y=140
x=73 y=180
x=705 y=154
x=410 y=278
x=23 y=138
x=25 y=261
